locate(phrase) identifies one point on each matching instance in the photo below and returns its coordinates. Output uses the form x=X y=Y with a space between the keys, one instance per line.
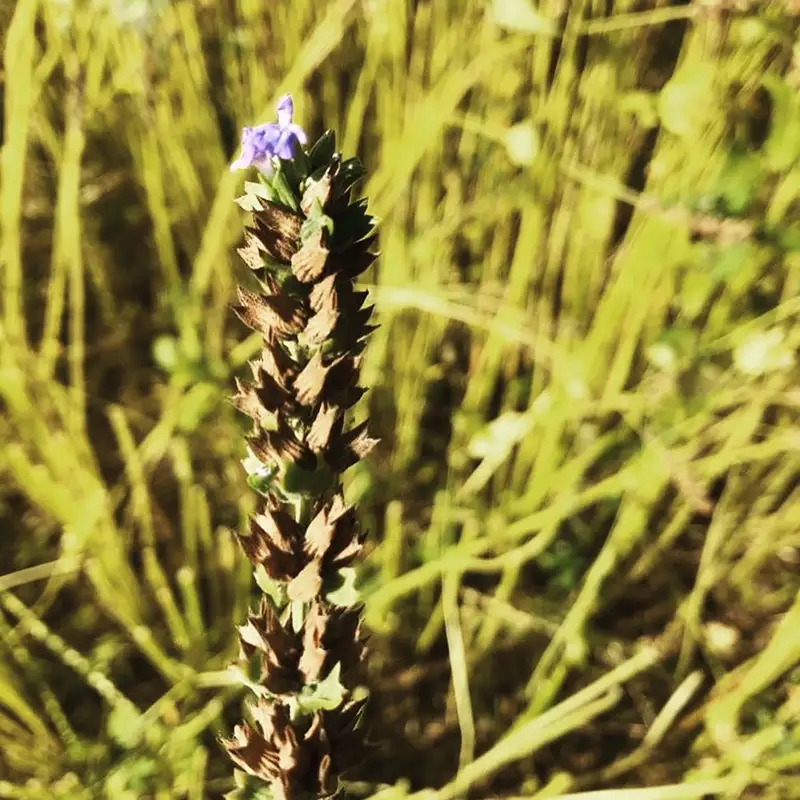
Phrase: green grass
x=583 y=580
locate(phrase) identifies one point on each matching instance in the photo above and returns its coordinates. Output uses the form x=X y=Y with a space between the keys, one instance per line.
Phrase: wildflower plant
x=301 y=649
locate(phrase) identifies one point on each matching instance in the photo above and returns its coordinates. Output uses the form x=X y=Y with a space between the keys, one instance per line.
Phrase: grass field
x=584 y=568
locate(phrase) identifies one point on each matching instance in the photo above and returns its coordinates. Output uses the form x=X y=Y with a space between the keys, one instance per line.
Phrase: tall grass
x=585 y=510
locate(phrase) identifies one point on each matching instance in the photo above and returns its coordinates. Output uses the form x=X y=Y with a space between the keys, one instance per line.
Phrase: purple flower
x=289 y=132
x=260 y=145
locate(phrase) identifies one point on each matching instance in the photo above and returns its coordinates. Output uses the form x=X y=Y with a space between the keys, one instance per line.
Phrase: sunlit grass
x=585 y=382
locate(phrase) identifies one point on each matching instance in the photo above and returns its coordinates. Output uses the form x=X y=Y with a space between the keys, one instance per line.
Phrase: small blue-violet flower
x=260 y=145
x=290 y=134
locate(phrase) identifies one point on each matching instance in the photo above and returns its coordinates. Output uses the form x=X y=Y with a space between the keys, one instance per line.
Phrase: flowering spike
x=306 y=244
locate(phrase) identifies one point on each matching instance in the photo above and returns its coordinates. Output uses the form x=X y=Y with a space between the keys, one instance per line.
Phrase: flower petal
x=285 y=110
x=299 y=133
x=265 y=167
x=264 y=137
x=284 y=147
x=263 y=142
x=246 y=158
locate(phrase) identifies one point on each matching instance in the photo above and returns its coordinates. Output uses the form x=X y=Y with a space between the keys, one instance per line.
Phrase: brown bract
x=330 y=636
x=278 y=230
x=274 y=541
x=319 y=437
x=287 y=660
x=308 y=263
x=298 y=764
x=270 y=315
x=281 y=445
x=252 y=253
x=332 y=541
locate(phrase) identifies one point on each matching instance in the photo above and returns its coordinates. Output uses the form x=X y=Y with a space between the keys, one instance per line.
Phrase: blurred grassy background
x=585 y=516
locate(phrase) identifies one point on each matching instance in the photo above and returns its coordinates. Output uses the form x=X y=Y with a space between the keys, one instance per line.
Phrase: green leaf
x=258 y=189
x=344 y=592
x=322 y=151
x=262 y=484
x=292 y=171
x=297 y=480
x=782 y=148
x=248 y=202
x=302 y=164
x=285 y=194
x=297 y=609
x=687 y=101
x=739 y=181
x=352 y=225
x=316 y=220
x=272 y=589
x=125 y=725
x=324 y=696
x=521 y=16
x=350 y=172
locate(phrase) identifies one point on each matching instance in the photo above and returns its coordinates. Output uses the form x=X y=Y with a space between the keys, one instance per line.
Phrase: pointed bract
x=308 y=263
x=270 y=315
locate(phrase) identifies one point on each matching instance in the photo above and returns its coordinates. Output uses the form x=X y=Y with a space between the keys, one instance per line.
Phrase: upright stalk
x=300 y=650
